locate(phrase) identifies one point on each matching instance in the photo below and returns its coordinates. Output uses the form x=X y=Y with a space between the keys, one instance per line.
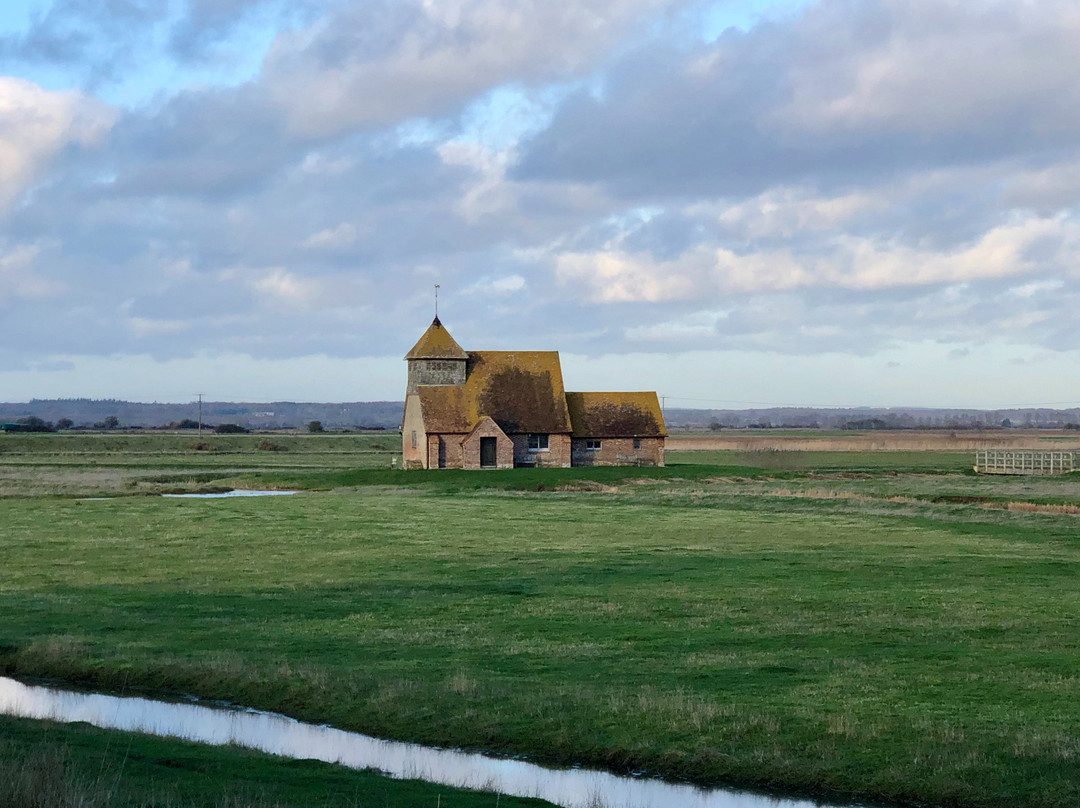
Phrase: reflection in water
x=279 y=735
x=236 y=492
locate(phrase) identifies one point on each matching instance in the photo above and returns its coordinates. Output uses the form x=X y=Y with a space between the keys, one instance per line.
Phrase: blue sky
x=837 y=203
x=151 y=71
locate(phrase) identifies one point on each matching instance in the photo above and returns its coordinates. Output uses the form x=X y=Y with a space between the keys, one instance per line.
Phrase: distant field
x=140 y=444
x=74 y=464
x=927 y=462
x=874 y=625
x=878 y=440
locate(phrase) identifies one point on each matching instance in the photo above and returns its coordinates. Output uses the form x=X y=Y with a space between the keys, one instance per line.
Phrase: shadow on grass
x=458 y=480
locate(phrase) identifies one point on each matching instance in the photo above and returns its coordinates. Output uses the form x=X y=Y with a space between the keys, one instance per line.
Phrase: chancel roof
x=436 y=343
x=616 y=415
x=522 y=391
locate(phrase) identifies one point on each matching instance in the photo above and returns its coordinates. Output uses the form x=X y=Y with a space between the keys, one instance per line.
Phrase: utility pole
x=200 y=412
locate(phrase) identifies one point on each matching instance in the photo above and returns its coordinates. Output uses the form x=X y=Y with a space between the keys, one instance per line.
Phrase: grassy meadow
x=868 y=625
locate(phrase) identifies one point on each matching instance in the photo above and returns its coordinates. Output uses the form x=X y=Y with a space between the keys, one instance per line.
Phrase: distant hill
x=387 y=415
x=255 y=415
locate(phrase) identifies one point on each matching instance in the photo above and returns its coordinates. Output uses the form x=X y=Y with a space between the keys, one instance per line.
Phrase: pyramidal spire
x=436 y=343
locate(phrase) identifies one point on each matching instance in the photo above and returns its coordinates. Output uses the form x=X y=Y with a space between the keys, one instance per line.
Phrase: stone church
x=506 y=409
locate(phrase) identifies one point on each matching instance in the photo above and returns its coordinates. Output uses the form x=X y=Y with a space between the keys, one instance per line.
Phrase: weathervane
x=436 y=301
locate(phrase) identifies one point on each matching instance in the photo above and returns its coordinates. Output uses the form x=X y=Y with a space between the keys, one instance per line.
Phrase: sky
x=736 y=203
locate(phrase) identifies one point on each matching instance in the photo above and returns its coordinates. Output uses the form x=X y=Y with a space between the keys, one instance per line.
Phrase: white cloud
x=19 y=279
x=848 y=262
x=934 y=67
x=276 y=285
x=285 y=287
x=1057 y=185
x=504 y=285
x=321 y=165
x=376 y=64
x=696 y=326
x=36 y=124
x=1023 y=320
x=786 y=212
x=616 y=277
x=487 y=192
x=333 y=238
x=149 y=327
x=844 y=222
x=223 y=375
x=1027 y=290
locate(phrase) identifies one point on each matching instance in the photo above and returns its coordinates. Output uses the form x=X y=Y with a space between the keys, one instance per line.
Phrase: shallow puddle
x=279 y=735
x=238 y=492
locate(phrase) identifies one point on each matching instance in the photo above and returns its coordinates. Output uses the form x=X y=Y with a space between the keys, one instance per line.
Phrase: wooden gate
x=488 y=456
x=1012 y=461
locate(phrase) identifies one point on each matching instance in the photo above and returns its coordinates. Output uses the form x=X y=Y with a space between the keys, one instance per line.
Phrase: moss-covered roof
x=616 y=415
x=436 y=343
x=522 y=391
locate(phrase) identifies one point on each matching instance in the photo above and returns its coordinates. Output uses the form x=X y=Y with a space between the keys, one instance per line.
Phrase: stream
x=280 y=735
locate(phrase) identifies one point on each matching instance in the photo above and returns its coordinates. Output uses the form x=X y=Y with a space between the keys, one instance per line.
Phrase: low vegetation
x=834 y=626
x=47 y=765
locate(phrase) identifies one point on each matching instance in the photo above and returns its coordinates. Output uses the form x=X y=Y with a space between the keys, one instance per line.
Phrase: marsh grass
x=815 y=643
x=836 y=461
x=79 y=465
x=48 y=765
x=843 y=631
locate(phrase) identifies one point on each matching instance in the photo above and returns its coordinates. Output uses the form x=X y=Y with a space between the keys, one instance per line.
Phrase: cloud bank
x=604 y=177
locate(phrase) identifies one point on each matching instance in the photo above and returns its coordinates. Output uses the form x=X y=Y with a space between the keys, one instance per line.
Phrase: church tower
x=436 y=358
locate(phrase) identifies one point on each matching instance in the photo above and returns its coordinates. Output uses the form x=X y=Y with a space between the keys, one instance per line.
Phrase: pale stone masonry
x=501 y=409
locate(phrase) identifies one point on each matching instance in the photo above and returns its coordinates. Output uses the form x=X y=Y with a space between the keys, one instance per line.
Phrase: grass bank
x=692 y=626
x=48 y=765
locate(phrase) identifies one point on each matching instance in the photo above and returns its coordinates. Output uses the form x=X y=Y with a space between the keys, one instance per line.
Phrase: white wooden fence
x=1011 y=461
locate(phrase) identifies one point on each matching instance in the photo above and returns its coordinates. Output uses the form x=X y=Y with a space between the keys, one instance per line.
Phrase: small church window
x=637 y=443
x=414 y=439
x=538 y=443
x=593 y=445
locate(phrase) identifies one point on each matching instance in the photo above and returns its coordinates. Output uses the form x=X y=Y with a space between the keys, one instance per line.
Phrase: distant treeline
x=85 y=413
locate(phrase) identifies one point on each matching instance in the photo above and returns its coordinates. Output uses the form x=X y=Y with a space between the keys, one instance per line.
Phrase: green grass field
x=850 y=628
x=907 y=462
x=48 y=765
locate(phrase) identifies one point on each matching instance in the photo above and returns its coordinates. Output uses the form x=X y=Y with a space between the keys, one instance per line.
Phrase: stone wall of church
x=504 y=447
x=414 y=439
x=448 y=453
x=435 y=371
x=557 y=455
x=618 y=452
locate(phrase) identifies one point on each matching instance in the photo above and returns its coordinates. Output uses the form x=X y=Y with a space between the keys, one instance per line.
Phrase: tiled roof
x=444 y=409
x=616 y=415
x=436 y=343
x=522 y=391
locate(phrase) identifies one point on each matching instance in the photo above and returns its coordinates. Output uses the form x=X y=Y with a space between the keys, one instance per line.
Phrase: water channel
x=236 y=492
x=280 y=735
